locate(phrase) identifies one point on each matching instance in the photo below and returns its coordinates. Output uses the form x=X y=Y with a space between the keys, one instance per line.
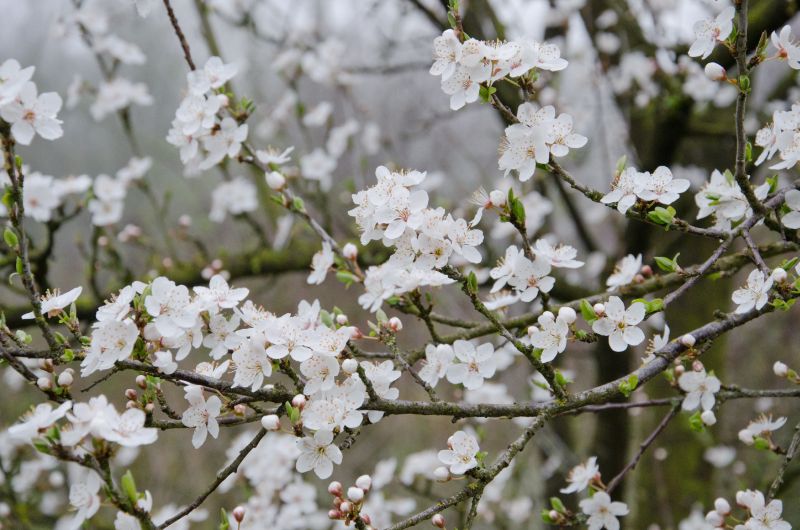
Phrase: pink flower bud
x=131 y=393
x=335 y=488
x=638 y=278
x=646 y=271
x=185 y=220
x=238 y=514
x=366 y=518
x=355 y=494
x=395 y=324
x=345 y=507
x=335 y=514
x=722 y=506
x=239 y=409
x=553 y=515
x=438 y=520
x=599 y=309
x=149 y=408
x=688 y=340
x=271 y=422
x=355 y=333
x=350 y=251
x=131 y=405
x=780 y=369
x=697 y=366
x=715 y=72
x=364 y=482
x=275 y=180
x=141 y=382
x=299 y=401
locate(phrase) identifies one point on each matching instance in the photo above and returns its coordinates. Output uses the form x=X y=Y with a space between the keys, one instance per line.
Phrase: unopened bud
x=335 y=514
x=65 y=379
x=355 y=333
x=239 y=409
x=553 y=515
x=638 y=278
x=366 y=518
x=130 y=393
x=185 y=220
x=715 y=72
x=714 y=519
x=345 y=507
x=697 y=366
x=688 y=340
x=149 y=408
x=44 y=383
x=708 y=417
x=780 y=369
x=238 y=513
x=141 y=382
x=646 y=271
x=438 y=520
x=364 y=482
x=335 y=488
x=441 y=474
x=779 y=275
x=131 y=405
x=599 y=309
x=567 y=314
x=722 y=506
x=395 y=324
x=355 y=494
x=350 y=251
x=223 y=100
x=341 y=319
x=299 y=401
x=46 y=365
x=271 y=422
x=679 y=370
x=275 y=180
x=349 y=366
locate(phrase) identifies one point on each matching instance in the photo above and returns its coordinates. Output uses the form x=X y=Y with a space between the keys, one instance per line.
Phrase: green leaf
x=19 y=267
x=621 y=162
x=629 y=385
x=696 y=422
x=662 y=216
x=587 y=312
x=773 y=183
x=666 y=264
x=744 y=83
x=129 y=487
x=748 y=152
x=10 y=237
x=472 y=282
x=486 y=93
x=546 y=516
x=346 y=277
x=557 y=505
x=326 y=318
x=298 y=204
x=224 y=522
x=517 y=212
x=760 y=443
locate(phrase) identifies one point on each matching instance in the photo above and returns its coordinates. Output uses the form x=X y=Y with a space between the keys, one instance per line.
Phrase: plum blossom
x=792 y=219
x=321 y=262
x=460 y=457
x=754 y=294
x=318 y=453
x=624 y=272
x=550 y=336
x=619 y=324
x=37 y=420
x=438 y=358
x=30 y=114
x=581 y=476
x=602 y=512
x=201 y=415
x=710 y=31
x=83 y=496
x=700 y=389
x=53 y=303
x=659 y=186
x=476 y=364
x=763 y=426
x=624 y=190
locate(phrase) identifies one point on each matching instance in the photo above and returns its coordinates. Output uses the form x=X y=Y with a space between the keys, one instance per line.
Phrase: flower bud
x=185 y=220
x=688 y=340
x=345 y=507
x=646 y=271
x=498 y=198
x=223 y=100
x=532 y=330
x=335 y=514
x=141 y=382
x=716 y=72
x=335 y=488
x=239 y=409
x=679 y=370
x=46 y=365
x=65 y=378
x=299 y=401
x=350 y=251
x=715 y=519
x=349 y=366
x=549 y=315
x=567 y=314
x=553 y=515
x=44 y=383
x=149 y=408
x=275 y=180
x=779 y=275
x=638 y=278
x=599 y=309
x=271 y=422
x=708 y=417
x=438 y=520
x=395 y=324
x=355 y=333
x=341 y=319
x=355 y=494
x=364 y=482
x=441 y=474
x=780 y=369
x=366 y=518
x=697 y=366
x=131 y=405
x=131 y=394
x=722 y=506
x=238 y=514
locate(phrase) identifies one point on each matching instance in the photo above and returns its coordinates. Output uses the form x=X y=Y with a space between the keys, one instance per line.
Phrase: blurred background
x=358 y=70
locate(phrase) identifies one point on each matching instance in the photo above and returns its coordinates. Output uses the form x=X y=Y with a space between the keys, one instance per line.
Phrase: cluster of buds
x=716 y=517
x=214 y=268
x=347 y=506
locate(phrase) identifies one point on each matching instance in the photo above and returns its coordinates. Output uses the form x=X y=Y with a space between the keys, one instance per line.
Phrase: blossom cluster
x=631 y=185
